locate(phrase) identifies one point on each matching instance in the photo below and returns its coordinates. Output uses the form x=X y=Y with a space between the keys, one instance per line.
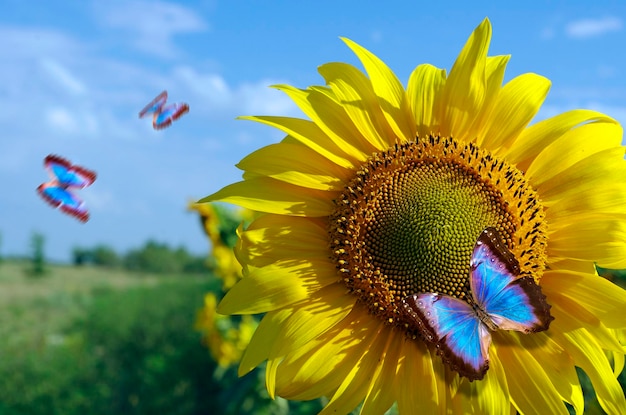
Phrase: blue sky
x=75 y=74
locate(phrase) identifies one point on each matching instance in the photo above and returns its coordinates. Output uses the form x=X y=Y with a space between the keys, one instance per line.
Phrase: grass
x=34 y=310
x=18 y=286
x=73 y=338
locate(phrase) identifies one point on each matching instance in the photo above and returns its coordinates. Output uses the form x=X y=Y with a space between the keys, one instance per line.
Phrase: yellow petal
x=298 y=165
x=567 y=264
x=571 y=148
x=517 y=104
x=593 y=172
x=602 y=242
x=272 y=238
x=558 y=367
x=391 y=95
x=354 y=92
x=464 y=92
x=534 y=139
x=318 y=313
x=417 y=363
x=270 y=377
x=531 y=389
x=494 y=74
x=262 y=340
x=425 y=85
x=585 y=290
x=354 y=387
x=588 y=356
x=609 y=198
x=273 y=196
x=278 y=285
x=618 y=363
x=331 y=118
x=382 y=394
x=309 y=134
x=493 y=391
x=568 y=315
x=319 y=367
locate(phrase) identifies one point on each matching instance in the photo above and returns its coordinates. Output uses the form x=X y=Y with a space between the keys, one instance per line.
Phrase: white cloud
x=217 y=96
x=65 y=121
x=259 y=98
x=211 y=87
x=151 y=23
x=24 y=72
x=585 y=28
x=62 y=76
x=23 y=42
x=61 y=118
x=101 y=200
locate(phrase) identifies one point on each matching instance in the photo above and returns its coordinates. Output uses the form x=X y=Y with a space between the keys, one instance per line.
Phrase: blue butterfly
x=163 y=115
x=65 y=177
x=500 y=299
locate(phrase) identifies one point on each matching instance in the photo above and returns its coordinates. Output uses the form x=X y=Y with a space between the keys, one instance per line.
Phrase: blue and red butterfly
x=500 y=299
x=65 y=178
x=163 y=115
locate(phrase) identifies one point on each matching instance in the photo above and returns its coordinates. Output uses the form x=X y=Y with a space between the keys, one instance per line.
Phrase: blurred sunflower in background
x=226 y=337
x=220 y=225
x=382 y=193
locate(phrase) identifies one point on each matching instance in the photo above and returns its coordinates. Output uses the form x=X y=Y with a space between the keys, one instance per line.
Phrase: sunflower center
x=408 y=221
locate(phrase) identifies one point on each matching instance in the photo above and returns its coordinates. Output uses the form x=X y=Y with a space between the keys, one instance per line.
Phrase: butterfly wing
x=511 y=302
x=460 y=337
x=169 y=114
x=155 y=105
x=65 y=177
x=60 y=197
x=68 y=175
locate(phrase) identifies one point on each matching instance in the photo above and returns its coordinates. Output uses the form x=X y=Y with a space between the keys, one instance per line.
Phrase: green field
x=86 y=340
x=36 y=308
x=89 y=340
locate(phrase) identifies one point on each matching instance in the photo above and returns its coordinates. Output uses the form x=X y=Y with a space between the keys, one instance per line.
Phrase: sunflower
x=382 y=193
x=225 y=338
x=220 y=225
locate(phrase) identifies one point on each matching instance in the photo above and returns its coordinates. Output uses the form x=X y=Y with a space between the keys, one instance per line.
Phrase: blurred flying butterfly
x=163 y=115
x=64 y=178
x=500 y=300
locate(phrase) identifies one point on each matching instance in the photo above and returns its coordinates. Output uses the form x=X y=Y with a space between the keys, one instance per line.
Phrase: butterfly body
x=64 y=179
x=163 y=115
x=500 y=299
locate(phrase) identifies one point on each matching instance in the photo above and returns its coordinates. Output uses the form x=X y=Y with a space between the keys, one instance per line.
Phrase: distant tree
x=153 y=257
x=0 y=247
x=160 y=258
x=132 y=260
x=81 y=256
x=182 y=257
x=190 y=264
x=196 y=265
x=105 y=256
x=38 y=260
